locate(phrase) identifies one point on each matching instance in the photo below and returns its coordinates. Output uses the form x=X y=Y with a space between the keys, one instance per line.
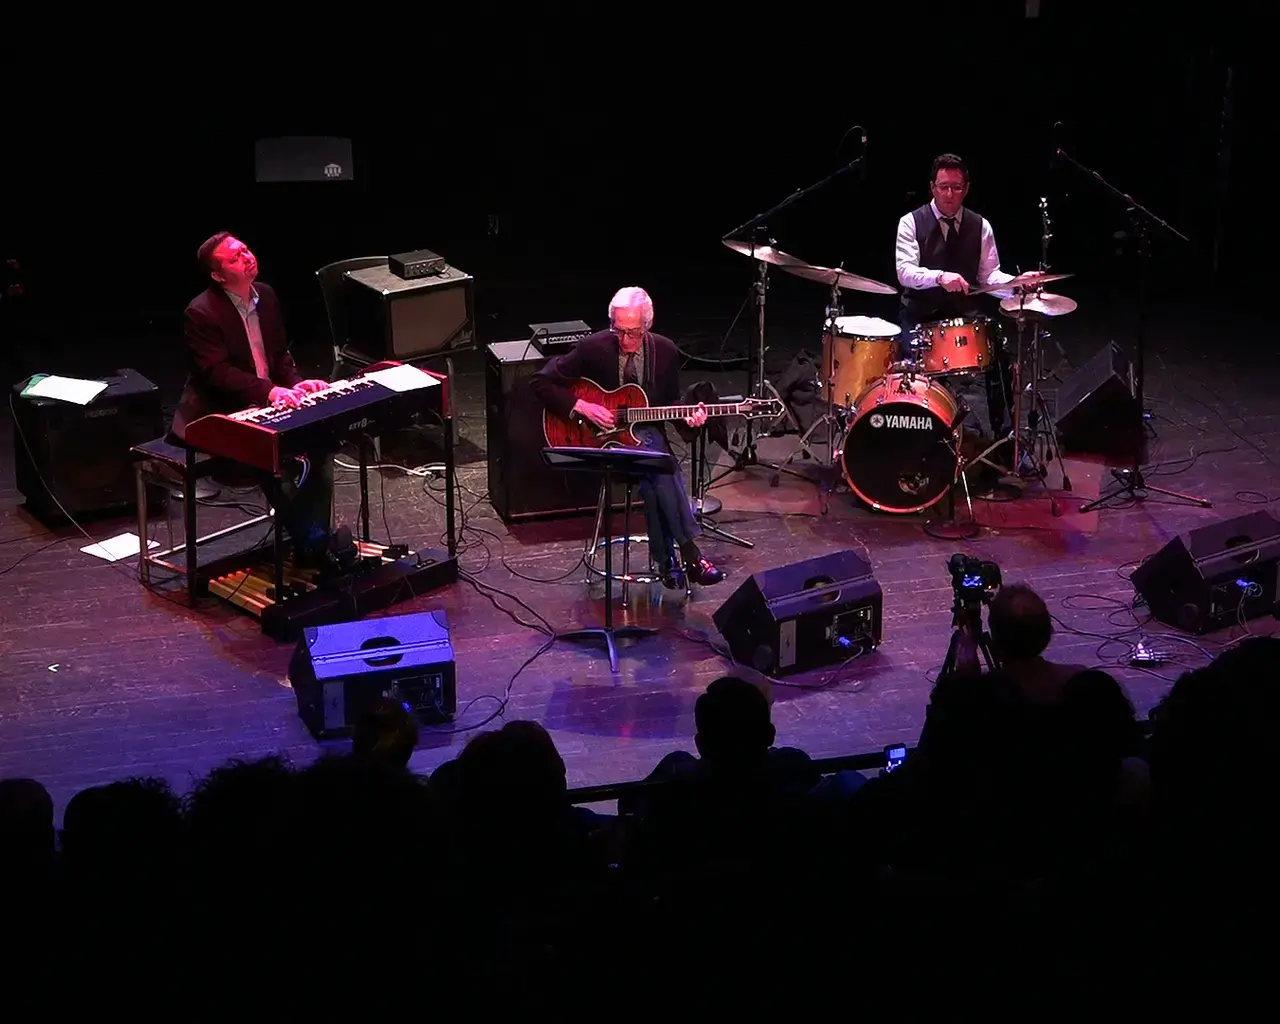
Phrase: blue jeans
x=668 y=512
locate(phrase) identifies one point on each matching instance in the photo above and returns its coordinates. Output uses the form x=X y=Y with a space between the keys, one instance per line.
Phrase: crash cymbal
x=1021 y=281
x=1043 y=304
x=841 y=279
x=765 y=253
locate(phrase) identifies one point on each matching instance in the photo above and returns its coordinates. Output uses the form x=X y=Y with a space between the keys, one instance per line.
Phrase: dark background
x=614 y=146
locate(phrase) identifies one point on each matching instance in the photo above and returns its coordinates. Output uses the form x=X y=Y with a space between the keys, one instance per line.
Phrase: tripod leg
x=1193 y=499
x=1055 y=449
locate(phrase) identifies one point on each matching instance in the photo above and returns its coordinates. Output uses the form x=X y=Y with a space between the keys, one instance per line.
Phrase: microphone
x=1057 y=136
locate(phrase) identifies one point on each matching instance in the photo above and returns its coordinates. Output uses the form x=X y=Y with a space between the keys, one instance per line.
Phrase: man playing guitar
x=630 y=353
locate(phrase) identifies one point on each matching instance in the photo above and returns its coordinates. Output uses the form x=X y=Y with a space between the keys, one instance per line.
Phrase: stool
x=590 y=556
x=168 y=465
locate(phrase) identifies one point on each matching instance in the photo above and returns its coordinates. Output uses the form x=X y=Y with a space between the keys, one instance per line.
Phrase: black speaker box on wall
x=1224 y=575
x=80 y=453
x=1097 y=407
x=521 y=485
x=805 y=615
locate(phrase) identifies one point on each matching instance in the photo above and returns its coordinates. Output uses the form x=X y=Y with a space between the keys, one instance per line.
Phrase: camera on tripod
x=974 y=583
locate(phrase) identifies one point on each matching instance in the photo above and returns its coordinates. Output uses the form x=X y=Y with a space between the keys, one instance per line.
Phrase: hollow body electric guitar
x=630 y=405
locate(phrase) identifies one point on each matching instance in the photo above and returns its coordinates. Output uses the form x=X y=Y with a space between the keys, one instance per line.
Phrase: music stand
x=615 y=464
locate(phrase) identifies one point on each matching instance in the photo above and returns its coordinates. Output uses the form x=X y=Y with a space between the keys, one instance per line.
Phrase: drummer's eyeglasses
x=951 y=188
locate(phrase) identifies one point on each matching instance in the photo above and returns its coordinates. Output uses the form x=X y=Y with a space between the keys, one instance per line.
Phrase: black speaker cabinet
x=391 y=318
x=1097 y=406
x=1224 y=575
x=80 y=453
x=337 y=672
x=521 y=485
x=805 y=615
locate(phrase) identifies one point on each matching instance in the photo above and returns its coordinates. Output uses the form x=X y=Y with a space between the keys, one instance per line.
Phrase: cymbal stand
x=758 y=385
x=1044 y=446
x=952 y=528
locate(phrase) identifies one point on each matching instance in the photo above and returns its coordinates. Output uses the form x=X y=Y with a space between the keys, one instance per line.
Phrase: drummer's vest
x=961 y=257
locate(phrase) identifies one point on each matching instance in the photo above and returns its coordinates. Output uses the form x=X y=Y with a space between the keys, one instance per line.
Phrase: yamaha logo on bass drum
x=898 y=422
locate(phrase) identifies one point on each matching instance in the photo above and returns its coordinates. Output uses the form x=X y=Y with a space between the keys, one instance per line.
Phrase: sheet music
x=65 y=389
x=403 y=378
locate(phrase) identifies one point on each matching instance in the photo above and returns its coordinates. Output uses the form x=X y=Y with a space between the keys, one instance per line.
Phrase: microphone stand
x=1130 y=482
x=757 y=382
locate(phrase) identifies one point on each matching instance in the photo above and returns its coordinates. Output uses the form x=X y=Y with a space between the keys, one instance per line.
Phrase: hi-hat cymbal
x=1031 y=278
x=1043 y=304
x=765 y=253
x=841 y=279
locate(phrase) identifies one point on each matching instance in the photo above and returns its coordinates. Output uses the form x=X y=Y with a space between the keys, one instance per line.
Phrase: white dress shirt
x=912 y=275
x=253 y=328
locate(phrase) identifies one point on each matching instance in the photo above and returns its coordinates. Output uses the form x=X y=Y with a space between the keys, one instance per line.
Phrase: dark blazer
x=595 y=357
x=220 y=371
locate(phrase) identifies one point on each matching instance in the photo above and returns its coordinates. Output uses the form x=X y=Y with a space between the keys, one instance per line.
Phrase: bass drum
x=901 y=450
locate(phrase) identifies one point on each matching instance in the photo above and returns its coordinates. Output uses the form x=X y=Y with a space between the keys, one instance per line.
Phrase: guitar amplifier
x=521 y=487
x=337 y=672
x=79 y=454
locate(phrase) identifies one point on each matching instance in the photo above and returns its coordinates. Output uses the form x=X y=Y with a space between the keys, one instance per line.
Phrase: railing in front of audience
x=824 y=766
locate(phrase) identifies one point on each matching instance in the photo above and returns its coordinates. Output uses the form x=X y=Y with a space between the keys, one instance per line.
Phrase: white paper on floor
x=115 y=548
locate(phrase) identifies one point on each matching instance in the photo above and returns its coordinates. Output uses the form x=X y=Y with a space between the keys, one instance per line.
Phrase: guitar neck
x=655 y=413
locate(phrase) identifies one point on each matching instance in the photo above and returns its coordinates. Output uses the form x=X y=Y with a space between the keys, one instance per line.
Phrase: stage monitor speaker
x=337 y=672
x=821 y=611
x=390 y=317
x=1097 y=406
x=79 y=454
x=521 y=486
x=1224 y=575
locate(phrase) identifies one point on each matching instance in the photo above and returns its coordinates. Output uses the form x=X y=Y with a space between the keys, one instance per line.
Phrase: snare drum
x=960 y=346
x=901 y=451
x=856 y=353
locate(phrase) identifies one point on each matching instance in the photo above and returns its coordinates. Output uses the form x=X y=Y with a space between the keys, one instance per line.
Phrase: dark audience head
x=387 y=732
x=237 y=814
x=1212 y=743
x=733 y=722
x=132 y=828
x=1098 y=717
x=27 y=835
x=1021 y=627
x=516 y=768
x=975 y=722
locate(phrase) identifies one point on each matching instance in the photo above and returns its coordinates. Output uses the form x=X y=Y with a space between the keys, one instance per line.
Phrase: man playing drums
x=944 y=249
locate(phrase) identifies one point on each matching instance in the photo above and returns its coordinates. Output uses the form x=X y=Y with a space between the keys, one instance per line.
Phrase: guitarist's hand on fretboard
x=597 y=414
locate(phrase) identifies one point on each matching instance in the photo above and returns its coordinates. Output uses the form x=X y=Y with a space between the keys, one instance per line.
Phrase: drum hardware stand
x=828 y=418
x=952 y=528
x=1130 y=482
x=758 y=385
x=704 y=506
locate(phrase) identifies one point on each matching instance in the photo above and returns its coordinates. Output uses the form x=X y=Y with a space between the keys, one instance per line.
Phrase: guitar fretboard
x=676 y=412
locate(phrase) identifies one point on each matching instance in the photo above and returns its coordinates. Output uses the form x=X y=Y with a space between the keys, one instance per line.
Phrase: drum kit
x=893 y=417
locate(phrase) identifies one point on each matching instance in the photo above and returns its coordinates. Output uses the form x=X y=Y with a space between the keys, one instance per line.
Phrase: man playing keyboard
x=238 y=358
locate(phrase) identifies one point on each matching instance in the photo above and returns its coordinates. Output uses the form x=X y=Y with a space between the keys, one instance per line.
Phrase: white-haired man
x=630 y=353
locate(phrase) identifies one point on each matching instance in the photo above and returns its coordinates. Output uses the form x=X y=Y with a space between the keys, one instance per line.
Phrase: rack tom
x=856 y=352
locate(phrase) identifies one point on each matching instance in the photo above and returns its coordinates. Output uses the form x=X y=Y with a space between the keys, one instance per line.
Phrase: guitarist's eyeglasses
x=629 y=332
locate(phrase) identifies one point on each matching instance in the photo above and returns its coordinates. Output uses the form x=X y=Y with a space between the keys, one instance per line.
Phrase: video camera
x=973 y=581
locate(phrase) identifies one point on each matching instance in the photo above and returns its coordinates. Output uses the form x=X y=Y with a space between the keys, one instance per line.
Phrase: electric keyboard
x=384 y=397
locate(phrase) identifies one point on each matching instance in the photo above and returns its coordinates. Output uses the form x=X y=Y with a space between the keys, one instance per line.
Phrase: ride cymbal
x=765 y=253
x=840 y=279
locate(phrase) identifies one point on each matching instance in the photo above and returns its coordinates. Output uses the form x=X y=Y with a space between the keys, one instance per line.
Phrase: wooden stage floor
x=101 y=679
